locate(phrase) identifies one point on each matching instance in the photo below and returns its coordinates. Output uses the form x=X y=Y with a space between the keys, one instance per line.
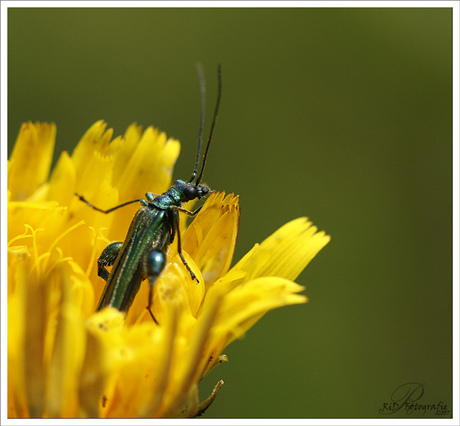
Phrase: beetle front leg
x=175 y=228
x=154 y=263
x=107 y=258
x=188 y=212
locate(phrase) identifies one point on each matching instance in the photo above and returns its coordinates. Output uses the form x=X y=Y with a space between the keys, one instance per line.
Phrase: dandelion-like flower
x=64 y=360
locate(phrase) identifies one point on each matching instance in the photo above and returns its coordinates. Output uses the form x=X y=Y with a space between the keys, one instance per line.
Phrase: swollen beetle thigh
x=154 y=263
x=107 y=258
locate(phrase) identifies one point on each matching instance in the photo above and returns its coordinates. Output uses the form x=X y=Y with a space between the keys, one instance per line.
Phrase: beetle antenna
x=200 y=72
x=216 y=110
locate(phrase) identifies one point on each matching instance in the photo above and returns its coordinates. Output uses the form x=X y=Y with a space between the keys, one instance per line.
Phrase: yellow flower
x=64 y=360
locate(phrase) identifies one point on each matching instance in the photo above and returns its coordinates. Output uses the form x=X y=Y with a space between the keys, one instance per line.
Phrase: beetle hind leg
x=154 y=263
x=107 y=258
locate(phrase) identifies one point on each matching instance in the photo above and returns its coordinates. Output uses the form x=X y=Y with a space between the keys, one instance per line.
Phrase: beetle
x=142 y=255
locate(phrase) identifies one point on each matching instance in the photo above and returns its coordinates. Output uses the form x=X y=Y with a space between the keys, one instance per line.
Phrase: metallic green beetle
x=142 y=255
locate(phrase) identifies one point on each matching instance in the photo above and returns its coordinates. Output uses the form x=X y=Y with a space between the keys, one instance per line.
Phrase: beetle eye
x=190 y=192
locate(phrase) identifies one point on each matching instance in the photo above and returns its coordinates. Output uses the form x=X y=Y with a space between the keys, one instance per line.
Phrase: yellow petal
x=63 y=181
x=104 y=334
x=47 y=215
x=247 y=303
x=150 y=166
x=96 y=139
x=285 y=253
x=125 y=150
x=30 y=161
x=19 y=263
x=211 y=238
x=63 y=378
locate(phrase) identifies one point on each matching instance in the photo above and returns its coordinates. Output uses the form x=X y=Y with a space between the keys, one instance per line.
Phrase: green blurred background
x=343 y=115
